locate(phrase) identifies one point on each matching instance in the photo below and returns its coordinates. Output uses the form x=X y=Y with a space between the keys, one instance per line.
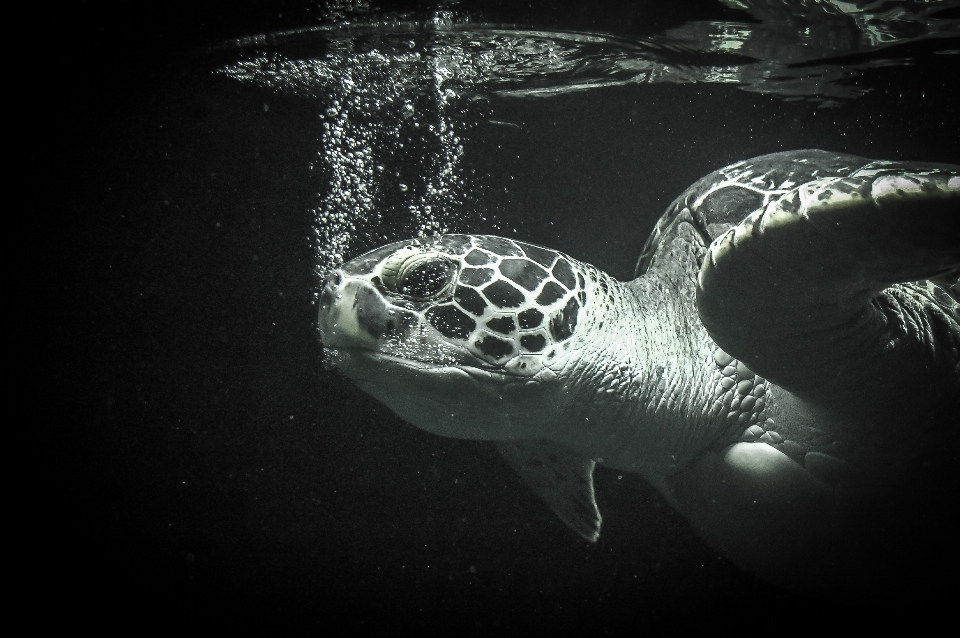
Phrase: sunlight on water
x=398 y=99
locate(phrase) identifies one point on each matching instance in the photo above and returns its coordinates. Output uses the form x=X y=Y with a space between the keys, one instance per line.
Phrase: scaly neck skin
x=639 y=394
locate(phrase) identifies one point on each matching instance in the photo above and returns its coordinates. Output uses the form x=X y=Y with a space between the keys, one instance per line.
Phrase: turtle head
x=455 y=332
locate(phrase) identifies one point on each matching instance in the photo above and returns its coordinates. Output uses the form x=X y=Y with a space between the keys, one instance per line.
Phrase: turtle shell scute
x=727 y=196
x=494 y=347
x=504 y=295
x=530 y=318
x=503 y=325
x=478 y=257
x=563 y=272
x=451 y=322
x=564 y=321
x=542 y=256
x=470 y=300
x=476 y=276
x=535 y=342
x=499 y=246
x=523 y=272
x=551 y=293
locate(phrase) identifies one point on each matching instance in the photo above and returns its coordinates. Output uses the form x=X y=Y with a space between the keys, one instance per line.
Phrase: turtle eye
x=420 y=276
x=427 y=279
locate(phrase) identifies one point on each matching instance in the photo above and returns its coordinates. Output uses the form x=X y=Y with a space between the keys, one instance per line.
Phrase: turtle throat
x=639 y=377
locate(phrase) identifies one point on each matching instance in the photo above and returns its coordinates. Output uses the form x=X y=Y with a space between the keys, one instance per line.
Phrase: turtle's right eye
x=420 y=276
x=427 y=280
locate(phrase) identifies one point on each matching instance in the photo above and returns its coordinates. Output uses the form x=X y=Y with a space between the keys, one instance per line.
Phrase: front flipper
x=561 y=478
x=766 y=514
x=803 y=291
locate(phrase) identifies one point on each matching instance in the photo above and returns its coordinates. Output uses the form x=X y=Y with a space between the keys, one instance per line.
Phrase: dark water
x=190 y=460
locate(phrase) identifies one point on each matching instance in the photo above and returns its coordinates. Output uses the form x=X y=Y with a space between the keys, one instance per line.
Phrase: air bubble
x=373 y=129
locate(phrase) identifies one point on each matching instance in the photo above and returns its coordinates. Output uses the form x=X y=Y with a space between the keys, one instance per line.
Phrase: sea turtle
x=784 y=369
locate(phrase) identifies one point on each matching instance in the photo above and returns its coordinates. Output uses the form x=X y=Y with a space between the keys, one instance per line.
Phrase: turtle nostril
x=333 y=279
x=326 y=297
x=330 y=286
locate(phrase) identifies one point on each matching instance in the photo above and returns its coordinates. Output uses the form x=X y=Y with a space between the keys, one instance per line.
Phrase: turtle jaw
x=453 y=400
x=360 y=363
x=429 y=382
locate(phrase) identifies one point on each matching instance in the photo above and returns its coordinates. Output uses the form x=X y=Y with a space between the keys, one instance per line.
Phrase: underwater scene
x=302 y=270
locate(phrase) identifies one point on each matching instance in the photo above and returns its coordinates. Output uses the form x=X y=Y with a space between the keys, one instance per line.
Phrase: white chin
x=459 y=401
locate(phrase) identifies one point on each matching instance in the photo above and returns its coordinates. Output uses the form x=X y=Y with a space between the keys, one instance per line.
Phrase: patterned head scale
x=509 y=304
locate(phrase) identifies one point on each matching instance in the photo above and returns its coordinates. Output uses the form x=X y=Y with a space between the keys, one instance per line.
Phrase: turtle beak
x=352 y=313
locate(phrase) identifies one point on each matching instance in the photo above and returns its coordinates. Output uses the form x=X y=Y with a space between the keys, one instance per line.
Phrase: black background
x=189 y=463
